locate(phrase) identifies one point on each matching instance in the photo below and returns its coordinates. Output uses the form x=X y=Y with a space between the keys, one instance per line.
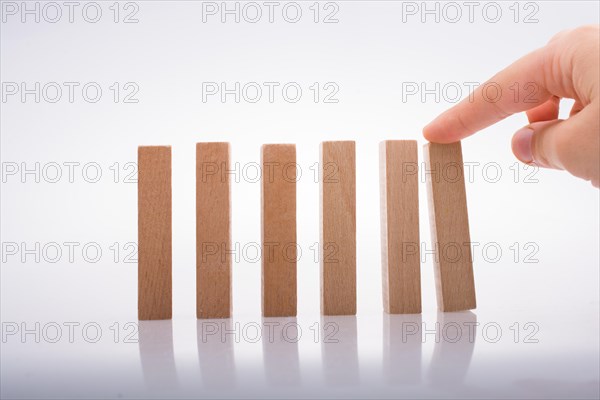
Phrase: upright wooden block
x=278 y=230
x=338 y=228
x=154 y=232
x=400 y=255
x=213 y=231
x=455 y=284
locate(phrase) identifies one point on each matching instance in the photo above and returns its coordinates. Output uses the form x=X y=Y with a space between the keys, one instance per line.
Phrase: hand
x=568 y=66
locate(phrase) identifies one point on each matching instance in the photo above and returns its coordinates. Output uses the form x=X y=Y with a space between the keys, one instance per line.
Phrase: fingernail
x=522 y=145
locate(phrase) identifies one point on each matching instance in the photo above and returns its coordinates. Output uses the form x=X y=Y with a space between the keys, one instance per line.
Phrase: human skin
x=567 y=67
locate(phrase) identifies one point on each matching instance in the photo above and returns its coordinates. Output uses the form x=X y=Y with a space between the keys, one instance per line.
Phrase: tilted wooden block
x=400 y=255
x=338 y=228
x=213 y=231
x=278 y=230
x=154 y=232
x=455 y=283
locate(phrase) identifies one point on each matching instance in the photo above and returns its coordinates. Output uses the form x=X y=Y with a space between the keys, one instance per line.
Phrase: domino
x=278 y=230
x=455 y=287
x=338 y=227
x=213 y=231
x=154 y=232
x=453 y=264
x=400 y=255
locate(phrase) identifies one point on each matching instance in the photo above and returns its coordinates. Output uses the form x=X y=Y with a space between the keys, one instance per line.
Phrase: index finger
x=519 y=87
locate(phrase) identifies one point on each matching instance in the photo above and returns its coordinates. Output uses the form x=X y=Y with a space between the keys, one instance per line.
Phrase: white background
x=371 y=54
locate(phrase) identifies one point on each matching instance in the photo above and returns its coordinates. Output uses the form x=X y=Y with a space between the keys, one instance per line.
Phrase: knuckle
x=546 y=148
x=577 y=35
x=538 y=150
x=559 y=35
x=586 y=30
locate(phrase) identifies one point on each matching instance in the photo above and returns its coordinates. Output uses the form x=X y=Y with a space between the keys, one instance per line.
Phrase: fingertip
x=429 y=133
x=435 y=133
x=522 y=145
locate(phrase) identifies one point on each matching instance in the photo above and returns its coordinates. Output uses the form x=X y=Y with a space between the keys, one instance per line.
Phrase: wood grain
x=154 y=232
x=338 y=228
x=455 y=285
x=400 y=255
x=213 y=231
x=278 y=230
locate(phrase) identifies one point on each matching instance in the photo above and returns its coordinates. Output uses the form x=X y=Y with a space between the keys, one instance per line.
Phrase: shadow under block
x=338 y=228
x=278 y=230
x=154 y=232
x=400 y=255
x=455 y=285
x=213 y=231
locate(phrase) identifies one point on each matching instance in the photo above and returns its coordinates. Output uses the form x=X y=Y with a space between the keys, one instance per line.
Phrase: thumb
x=539 y=143
x=571 y=145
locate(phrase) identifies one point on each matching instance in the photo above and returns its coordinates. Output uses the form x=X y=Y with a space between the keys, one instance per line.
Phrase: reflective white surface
x=550 y=292
x=451 y=355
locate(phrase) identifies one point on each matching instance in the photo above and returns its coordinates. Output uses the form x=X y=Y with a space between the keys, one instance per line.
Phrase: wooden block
x=455 y=285
x=400 y=256
x=213 y=231
x=338 y=228
x=278 y=230
x=154 y=232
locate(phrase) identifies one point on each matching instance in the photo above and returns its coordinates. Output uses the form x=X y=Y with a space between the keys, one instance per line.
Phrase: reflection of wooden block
x=452 y=355
x=213 y=231
x=402 y=349
x=215 y=353
x=455 y=284
x=155 y=341
x=339 y=352
x=400 y=226
x=281 y=360
x=338 y=228
x=278 y=210
x=154 y=232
